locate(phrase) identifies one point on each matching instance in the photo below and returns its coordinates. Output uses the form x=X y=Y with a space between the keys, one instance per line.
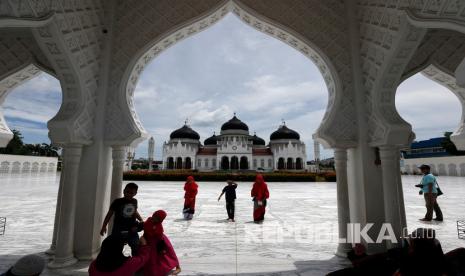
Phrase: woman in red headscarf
x=191 y=189
x=260 y=194
x=153 y=227
x=163 y=259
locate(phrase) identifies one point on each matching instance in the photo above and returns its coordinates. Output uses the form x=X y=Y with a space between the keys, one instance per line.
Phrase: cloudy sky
x=229 y=68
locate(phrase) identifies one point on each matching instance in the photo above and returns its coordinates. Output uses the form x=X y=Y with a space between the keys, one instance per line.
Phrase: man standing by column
x=429 y=188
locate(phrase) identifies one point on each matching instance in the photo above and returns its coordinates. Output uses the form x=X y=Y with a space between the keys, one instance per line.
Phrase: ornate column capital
x=340 y=154
x=118 y=152
x=389 y=152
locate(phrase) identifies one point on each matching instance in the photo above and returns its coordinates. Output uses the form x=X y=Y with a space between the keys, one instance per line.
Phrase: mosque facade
x=234 y=149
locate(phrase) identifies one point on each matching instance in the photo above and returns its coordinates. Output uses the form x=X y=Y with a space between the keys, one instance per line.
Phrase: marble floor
x=299 y=236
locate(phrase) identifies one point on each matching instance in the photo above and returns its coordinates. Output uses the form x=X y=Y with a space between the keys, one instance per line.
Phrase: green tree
x=450 y=146
x=16 y=145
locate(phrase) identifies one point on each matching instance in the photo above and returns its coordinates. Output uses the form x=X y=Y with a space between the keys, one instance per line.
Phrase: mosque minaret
x=234 y=149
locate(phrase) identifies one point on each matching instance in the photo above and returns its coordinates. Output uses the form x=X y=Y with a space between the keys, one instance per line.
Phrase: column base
x=62 y=262
x=343 y=249
x=50 y=251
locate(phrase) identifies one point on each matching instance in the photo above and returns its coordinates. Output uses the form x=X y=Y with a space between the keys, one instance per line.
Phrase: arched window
x=225 y=163
x=26 y=167
x=255 y=163
x=5 y=167
x=35 y=167
x=43 y=167
x=244 y=163
x=179 y=163
x=281 y=165
x=299 y=164
x=234 y=163
x=199 y=163
x=16 y=167
x=188 y=163
x=262 y=163
x=170 y=163
x=462 y=169
x=290 y=163
x=453 y=170
x=206 y=162
x=442 y=169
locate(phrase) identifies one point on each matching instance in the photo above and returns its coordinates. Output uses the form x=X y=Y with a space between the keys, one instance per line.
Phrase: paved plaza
x=299 y=236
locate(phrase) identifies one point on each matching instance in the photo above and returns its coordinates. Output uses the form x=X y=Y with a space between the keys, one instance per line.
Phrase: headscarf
x=111 y=255
x=260 y=189
x=153 y=231
x=160 y=214
x=190 y=187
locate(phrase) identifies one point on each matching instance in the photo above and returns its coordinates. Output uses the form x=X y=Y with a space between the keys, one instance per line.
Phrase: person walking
x=230 y=191
x=191 y=189
x=429 y=189
x=260 y=194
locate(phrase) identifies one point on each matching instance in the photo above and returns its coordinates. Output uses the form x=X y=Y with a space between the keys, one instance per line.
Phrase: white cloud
x=31 y=105
x=429 y=107
x=204 y=113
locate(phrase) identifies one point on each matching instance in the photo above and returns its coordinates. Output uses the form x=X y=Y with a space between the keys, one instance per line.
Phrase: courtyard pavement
x=299 y=236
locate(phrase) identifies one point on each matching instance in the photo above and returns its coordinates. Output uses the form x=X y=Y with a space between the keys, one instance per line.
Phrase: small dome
x=284 y=132
x=234 y=123
x=185 y=132
x=211 y=140
x=257 y=140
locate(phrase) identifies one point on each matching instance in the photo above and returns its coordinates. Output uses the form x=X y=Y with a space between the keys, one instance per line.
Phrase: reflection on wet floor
x=298 y=237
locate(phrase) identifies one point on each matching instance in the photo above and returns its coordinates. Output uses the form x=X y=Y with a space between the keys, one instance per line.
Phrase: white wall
x=448 y=166
x=26 y=164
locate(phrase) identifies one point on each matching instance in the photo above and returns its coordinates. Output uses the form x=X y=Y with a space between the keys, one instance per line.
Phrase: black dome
x=284 y=132
x=257 y=140
x=185 y=132
x=211 y=140
x=234 y=123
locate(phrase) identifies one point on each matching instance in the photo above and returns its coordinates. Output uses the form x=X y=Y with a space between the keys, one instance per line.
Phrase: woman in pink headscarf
x=260 y=194
x=191 y=189
x=163 y=260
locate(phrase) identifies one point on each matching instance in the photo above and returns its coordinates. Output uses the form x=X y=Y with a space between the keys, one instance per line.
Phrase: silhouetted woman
x=111 y=261
x=259 y=194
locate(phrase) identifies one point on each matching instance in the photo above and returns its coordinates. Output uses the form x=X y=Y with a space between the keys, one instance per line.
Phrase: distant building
x=431 y=152
x=426 y=149
x=234 y=149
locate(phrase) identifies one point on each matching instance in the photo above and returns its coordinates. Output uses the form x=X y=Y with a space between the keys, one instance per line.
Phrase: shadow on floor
x=78 y=269
x=303 y=268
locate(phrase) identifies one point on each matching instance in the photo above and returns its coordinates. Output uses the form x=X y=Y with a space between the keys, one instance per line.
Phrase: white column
x=119 y=157
x=51 y=250
x=393 y=205
x=343 y=212
x=65 y=233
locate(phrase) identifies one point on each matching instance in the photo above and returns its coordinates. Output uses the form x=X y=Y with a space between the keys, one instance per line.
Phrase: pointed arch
x=333 y=129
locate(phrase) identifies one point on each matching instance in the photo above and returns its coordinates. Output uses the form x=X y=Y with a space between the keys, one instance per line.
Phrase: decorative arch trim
x=448 y=80
x=435 y=22
x=7 y=84
x=134 y=132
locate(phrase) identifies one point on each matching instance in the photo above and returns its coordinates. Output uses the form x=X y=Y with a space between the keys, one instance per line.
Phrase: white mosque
x=234 y=149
